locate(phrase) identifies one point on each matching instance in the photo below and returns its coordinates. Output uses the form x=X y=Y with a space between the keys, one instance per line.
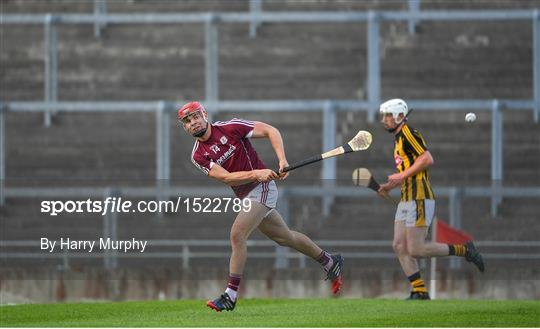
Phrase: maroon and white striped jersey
x=229 y=147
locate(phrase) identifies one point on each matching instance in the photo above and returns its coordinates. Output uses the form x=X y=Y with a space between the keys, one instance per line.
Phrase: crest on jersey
x=214 y=148
x=398 y=160
x=223 y=140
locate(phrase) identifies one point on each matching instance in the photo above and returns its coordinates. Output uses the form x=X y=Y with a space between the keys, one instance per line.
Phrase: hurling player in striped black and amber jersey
x=416 y=208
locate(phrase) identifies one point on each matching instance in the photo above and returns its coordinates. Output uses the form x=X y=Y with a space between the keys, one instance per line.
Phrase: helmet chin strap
x=392 y=130
x=201 y=132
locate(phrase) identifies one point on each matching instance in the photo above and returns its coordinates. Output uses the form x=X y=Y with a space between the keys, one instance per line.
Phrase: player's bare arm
x=423 y=161
x=241 y=177
x=264 y=130
x=420 y=164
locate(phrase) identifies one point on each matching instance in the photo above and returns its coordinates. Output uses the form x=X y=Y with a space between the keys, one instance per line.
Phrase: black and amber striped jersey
x=410 y=145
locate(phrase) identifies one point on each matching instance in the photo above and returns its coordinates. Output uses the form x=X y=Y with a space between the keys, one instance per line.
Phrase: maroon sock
x=325 y=259
x=234 y=281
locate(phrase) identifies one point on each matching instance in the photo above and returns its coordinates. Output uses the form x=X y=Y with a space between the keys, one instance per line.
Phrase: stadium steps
x=447 y=60
x=350 y=219
x=320 y=61
x=75 y=145
x=80 y=147
x=324 y=66
x=174 y=226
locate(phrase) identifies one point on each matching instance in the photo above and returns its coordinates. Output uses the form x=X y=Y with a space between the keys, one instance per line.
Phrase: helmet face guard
x=190 y=109
x=395 y=107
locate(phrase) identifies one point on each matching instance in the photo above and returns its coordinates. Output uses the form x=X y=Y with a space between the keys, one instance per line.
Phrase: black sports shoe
x=472 y=255
x=224 y=302
x=335 y=273
x=418 y=296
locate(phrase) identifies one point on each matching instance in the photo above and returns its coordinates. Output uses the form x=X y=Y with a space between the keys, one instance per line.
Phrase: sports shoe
x=418 y=296
x=224 y=302
x=335 y=273
x=472 y=255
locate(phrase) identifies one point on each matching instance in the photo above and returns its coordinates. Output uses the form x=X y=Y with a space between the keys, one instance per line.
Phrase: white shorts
x=416 y=213
x=265 y=193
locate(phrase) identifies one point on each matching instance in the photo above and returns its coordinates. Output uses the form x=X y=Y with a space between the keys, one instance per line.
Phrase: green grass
x=278 y=313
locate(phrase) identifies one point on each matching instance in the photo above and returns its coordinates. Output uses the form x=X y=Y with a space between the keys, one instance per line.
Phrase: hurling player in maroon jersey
x=223 y=151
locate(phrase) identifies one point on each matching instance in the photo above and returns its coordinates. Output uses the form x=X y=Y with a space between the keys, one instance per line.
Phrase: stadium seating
x=463 y=60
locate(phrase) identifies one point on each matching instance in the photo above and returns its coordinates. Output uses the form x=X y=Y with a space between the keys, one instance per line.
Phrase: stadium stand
x=443 y=60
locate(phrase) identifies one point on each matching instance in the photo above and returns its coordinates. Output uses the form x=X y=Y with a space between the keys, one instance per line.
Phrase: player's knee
x=237 y=239
x=399 y=247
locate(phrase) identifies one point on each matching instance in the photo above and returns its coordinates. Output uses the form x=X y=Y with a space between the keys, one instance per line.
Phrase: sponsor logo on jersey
x=226 y=155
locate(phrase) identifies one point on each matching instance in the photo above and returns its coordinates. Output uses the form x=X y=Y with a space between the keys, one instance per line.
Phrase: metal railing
x=255 y=17
x=100 y=18
x=328 y=108
x=100 y=9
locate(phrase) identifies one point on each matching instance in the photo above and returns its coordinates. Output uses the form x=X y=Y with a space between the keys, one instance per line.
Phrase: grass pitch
x=278 y=313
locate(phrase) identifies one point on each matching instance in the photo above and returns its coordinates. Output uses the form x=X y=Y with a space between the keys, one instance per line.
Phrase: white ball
x=470 y=117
